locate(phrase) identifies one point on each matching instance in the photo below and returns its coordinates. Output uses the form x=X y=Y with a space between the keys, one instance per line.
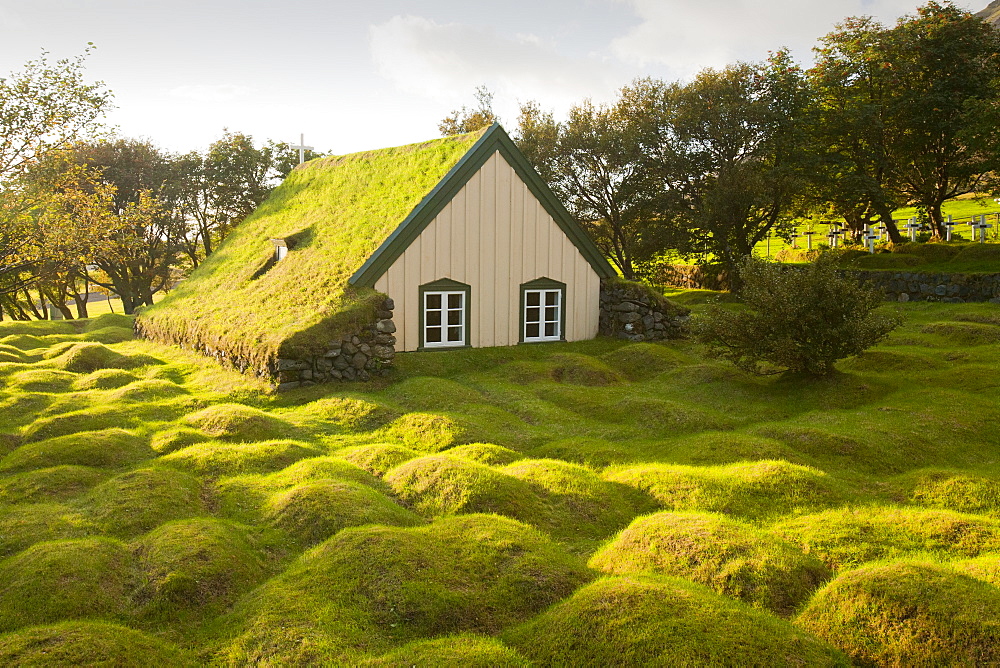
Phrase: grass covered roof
x=334 y=213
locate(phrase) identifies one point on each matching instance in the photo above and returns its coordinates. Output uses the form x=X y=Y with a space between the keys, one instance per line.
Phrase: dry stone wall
x=631 y=311
x=362 y=356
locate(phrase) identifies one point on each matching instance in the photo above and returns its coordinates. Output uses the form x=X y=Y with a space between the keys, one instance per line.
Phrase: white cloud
x=210 y=93
x=688 y=36
x=447 y=61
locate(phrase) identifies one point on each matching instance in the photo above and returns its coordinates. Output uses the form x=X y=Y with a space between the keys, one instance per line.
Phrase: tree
x=945 y=66
x=469 y=120
x=732 y=154
x=800 y=320
x=853 y=87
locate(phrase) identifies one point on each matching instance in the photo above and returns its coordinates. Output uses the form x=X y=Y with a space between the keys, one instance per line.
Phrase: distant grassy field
x=596 y=503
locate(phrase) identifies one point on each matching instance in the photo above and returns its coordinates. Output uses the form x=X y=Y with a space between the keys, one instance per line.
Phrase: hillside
x=991 y=14
x=593 y=503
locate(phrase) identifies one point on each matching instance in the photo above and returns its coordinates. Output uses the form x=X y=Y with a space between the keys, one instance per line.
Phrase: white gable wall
x=494 y=235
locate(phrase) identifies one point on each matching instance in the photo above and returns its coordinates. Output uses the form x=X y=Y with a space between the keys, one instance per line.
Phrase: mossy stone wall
x=633 y=312
x=367 y=353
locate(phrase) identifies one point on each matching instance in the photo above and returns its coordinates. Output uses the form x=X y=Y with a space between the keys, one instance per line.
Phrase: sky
x=367 y=74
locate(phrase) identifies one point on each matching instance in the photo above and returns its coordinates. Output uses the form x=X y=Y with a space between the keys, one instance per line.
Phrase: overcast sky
x=373 y=73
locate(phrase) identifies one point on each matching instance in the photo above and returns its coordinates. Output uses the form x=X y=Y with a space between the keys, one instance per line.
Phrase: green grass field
x=596 y=503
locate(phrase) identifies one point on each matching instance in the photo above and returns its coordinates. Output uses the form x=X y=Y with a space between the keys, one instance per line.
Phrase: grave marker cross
x=302 y=148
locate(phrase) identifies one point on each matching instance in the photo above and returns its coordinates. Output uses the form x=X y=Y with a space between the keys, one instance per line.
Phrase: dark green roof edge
x=494 y=139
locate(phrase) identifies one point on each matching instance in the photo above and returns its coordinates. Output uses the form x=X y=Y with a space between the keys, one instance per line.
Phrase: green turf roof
x=334 y=212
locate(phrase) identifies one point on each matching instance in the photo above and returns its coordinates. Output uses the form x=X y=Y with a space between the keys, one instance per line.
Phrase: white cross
x=302 y=148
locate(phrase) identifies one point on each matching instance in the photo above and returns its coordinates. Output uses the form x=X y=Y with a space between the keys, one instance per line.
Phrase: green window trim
x=444 y=285
x=542 y=284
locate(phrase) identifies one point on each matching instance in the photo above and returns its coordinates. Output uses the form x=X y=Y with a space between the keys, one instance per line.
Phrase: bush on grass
x=658 y=621
x=66 y=579
x=88 y=644
x=730 y=557
x=799 y=320
x=909 y=613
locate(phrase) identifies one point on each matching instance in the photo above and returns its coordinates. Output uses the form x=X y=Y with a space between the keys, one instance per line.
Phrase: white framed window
x=543 y=315
x=444 y=321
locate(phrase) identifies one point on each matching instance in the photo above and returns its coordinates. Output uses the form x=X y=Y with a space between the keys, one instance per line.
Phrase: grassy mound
x=640 y=361
x=323 y=468
x=109 y=335
x=36 y=327
x=313 y=511
x=955 y=490
x=235 y=422
x=98 y=417
x=438 y=485
x=42 y=380
x=104 y=379
x=368 y=589
x=378 y=458
x=88 y=644
x=978 y=253
x=646 y=621
x=751 y=490
x=67 y=579
x=908 y=614
x=577 y=502
x=964 y=333
x=578 y=369
x=343 y=414
x=195 y=564
x=135 y=502
x=170 y=440
x=650 y=414
x=727 y=447
x=87 y=357
x=486 y=453
x=441 y=393
x=22 y=341
x=147 y=390
x=216 y=459
x=888 y=261
x=108 y=448
x=852 y=536
x=424 y=432
x=932 y=252
x=466 y=650
x=50 y=484
x=985 y=568
x=24 y=525
x=730 y=557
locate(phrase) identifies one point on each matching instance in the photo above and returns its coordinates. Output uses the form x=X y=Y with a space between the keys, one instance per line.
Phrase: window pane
x=454 y=317
x=533 y=314
x=455 y=300
x=433 y=335
x=551 y=298
x=433 y=318
x=433 y=300
x=532 y=298
x=531 y=331
x=550 y=329
x=552 y=313
x=455 y=334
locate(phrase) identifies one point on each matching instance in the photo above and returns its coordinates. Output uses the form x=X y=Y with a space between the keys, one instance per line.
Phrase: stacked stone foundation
x=362 y=356
x=629 y=311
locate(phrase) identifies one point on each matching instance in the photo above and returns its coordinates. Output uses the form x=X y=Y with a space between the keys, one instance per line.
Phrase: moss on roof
x=334 y=213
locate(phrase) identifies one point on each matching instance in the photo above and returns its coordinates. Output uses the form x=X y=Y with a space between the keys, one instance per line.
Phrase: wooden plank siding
x=493 y=235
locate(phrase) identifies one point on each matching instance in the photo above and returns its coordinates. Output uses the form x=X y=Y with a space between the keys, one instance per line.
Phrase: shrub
x=908 y=614
x=728 y=556
x=656 y=621
x=800 y=320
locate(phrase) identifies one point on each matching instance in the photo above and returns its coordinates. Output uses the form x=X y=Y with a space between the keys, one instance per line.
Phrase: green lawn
x=595 y=503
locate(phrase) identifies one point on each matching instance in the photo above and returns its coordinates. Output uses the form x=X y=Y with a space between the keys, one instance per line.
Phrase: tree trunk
x=885 y=216
x=937 y=220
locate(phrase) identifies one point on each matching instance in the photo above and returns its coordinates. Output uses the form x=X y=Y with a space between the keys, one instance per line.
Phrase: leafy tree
x=800 y=320
x=945 y=66
x=854 y=87
x=593 y=162
x=732 y=154
x=469 y=120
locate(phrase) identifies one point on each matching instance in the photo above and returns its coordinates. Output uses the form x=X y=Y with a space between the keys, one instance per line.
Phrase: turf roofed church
x=449 y=243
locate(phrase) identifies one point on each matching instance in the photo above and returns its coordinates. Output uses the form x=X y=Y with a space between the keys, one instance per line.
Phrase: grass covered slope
x=334 y=212
x=593 y=503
